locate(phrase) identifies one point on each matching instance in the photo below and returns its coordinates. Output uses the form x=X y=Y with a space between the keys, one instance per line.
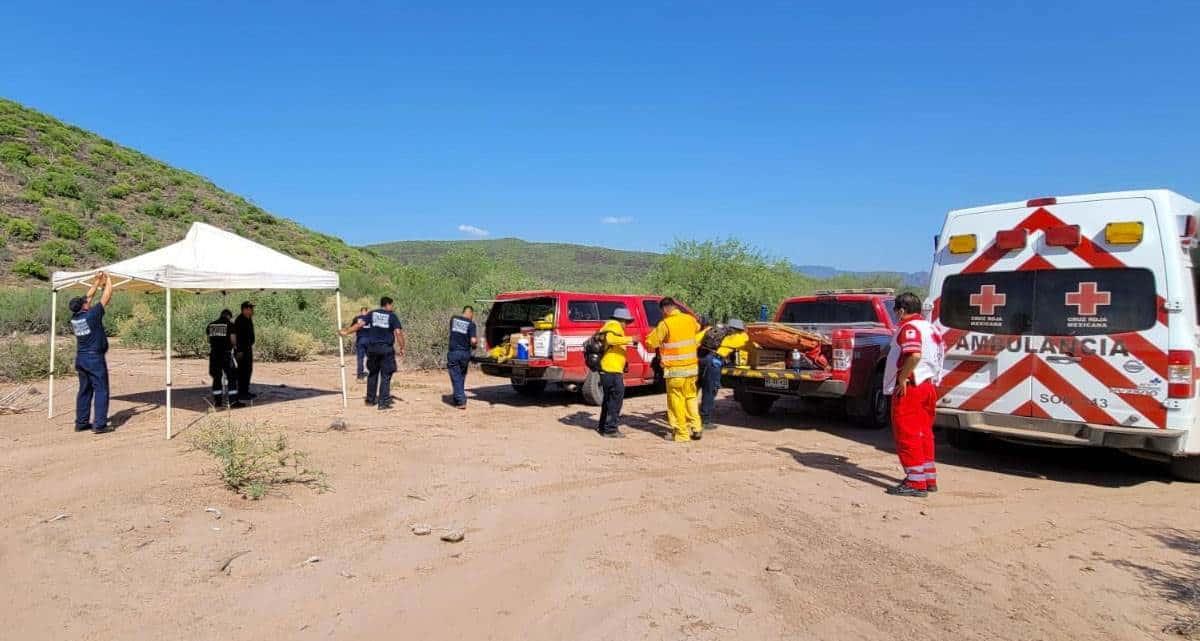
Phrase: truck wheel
x=756 y=404
x=876 y=407
x=1186 y=468
x=530 y=388
x=591 y=391
x=964 y=439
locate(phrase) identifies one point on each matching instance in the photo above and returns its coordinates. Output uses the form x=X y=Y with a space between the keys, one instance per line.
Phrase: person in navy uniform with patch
x=222 y=341
x=91 y=345
x=462 y=342
x=243 y=326
x=385 y=341
x=360 y=341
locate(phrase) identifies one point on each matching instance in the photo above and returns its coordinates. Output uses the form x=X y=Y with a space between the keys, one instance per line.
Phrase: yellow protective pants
x=683 y=407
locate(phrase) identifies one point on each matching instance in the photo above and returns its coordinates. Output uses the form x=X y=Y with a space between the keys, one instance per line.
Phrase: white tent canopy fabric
x=210 y=259
x=207 y=259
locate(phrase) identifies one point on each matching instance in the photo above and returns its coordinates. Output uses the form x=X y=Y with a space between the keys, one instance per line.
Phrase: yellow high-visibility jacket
x=733 y=342
x=675 y=340
x=615 y=340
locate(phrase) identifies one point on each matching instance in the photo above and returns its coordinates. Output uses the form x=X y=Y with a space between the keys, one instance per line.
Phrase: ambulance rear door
x=983 y=304
x=1099 y=331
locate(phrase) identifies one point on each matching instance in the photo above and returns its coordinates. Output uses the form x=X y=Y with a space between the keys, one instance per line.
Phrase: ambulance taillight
x=1010 y=239
x=843 y=353
x=1064 y=236
x=559 y=347
x=1181 y=373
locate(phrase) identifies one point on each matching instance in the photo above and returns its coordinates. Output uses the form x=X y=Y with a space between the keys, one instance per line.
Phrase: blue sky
x=836 y=134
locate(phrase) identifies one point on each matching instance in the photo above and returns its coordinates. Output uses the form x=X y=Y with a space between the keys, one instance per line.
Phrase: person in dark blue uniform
x=385 y=341
x=222 y=341
x=360 y=341
x=458 y=360
x=91 y=344
x=243 y=326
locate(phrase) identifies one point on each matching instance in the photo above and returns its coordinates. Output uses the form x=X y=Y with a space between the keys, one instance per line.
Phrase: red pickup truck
x=556 y=324
x=859 y=325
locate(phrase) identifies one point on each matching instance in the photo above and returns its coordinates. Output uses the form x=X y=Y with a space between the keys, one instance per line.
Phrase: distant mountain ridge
x=908 y=279
x=565 y=262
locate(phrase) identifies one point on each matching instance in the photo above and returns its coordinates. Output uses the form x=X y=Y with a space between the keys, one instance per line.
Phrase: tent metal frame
x=167 y=351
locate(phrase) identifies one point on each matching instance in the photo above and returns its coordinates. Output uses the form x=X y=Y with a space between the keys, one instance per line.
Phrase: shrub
x=119 y=190
x=112 y=222
x=252 y=463
x=275 y=343
x=252 y=214
x=213 y=206
x=21 y=229
x=30 y=196
x=64 y=225
x=55 y=183
x=23 y=360
x=102 y=243
x=31 y=268
x=58 y=253
x=14 y=152
x=176 y=210
x=154 y=209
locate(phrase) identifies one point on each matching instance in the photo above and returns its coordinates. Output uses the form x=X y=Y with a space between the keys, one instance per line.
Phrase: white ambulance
x=1072 y=320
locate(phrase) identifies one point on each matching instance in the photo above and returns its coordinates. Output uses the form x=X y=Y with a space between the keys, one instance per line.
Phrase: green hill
x=547 y=263
x=70 y=199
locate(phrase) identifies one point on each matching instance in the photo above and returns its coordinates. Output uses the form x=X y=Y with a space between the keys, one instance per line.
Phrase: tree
x=725 y=278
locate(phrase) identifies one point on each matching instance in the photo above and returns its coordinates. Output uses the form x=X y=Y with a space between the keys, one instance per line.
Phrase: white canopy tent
x=207 y=259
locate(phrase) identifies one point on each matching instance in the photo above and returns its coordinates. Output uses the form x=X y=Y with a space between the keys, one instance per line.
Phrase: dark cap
x=247 y=305
x=76 y=304
x=225 y=313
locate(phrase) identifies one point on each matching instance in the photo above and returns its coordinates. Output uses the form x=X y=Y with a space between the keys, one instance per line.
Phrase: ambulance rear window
x=1063 y=302
x=1074 y=302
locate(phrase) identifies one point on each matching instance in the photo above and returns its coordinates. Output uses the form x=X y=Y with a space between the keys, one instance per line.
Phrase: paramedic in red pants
x=913 y=367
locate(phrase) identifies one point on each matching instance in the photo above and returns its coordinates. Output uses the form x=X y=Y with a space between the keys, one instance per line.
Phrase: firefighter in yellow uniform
x=716 y=347
x=675 y=340
x=612 y=371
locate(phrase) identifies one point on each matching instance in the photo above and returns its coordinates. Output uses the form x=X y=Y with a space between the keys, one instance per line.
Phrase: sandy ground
x=569 y=536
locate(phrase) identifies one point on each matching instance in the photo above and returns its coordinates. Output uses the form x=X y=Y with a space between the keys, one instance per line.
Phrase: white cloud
x=617 y=220
x=472 y=230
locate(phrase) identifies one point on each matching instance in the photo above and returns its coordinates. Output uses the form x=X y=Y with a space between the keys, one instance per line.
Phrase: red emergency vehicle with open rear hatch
x=555 y=325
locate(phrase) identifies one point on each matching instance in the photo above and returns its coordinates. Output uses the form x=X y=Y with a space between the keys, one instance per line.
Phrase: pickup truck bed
x=858 y=346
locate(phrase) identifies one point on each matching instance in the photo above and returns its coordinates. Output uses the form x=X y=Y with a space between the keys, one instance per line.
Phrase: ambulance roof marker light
x=1010 y=239
x=1123 y=233
x=962 y=244
x=1041 y=202
x=1064 y=236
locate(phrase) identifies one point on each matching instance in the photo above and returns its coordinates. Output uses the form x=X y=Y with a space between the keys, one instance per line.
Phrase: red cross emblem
x=1088 y=298
x=987 y=300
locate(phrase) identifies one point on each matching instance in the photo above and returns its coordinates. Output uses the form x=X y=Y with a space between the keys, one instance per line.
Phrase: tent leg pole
x=341 y=345
x=168 y=353
x=53 y=321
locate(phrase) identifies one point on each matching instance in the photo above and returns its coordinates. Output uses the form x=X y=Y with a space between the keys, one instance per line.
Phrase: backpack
x=714 y=336
x=593 y=351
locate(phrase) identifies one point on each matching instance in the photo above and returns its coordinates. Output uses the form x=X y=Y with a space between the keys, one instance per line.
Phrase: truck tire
x=965 y=440
x=755 y=404
x=876 y=408
x=1186 y=468
x=530 y=389
x=591 y=391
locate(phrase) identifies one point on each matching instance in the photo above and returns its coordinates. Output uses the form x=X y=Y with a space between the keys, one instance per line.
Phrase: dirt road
x=772 y=528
